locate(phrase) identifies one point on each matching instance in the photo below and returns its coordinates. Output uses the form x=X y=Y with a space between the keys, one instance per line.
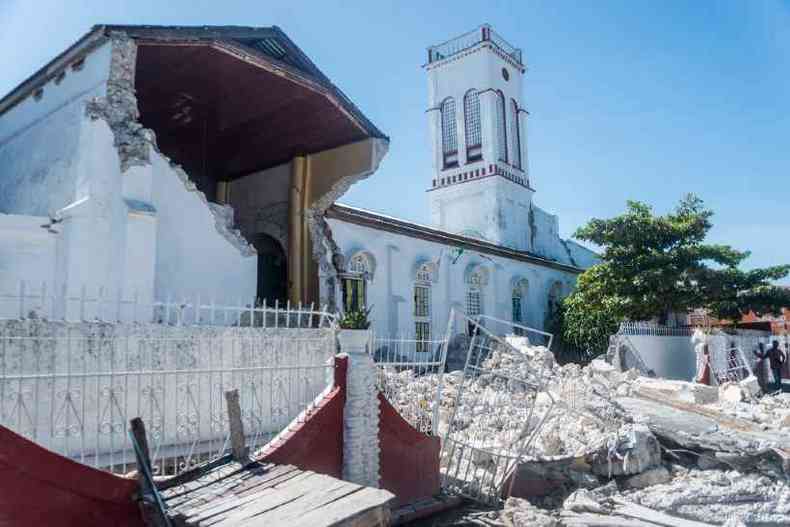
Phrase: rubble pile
x=611 y=447
x=771 y=412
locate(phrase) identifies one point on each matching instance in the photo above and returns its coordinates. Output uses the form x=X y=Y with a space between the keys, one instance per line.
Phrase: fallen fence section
x=493 y=422
x=73 y=387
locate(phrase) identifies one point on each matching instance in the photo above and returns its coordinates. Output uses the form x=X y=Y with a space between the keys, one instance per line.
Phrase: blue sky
x=628 y=99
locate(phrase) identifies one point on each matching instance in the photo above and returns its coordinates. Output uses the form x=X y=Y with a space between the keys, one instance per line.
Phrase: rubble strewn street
x=616 y=448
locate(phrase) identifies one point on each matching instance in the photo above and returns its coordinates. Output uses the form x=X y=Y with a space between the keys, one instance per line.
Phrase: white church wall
x=39 y=140
x=390 y=291
x=27 y=253
x=545 y=235
x=126 y=233
x=192 y=255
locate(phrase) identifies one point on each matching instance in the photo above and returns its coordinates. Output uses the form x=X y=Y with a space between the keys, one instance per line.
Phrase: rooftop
x=484 y=33
x=375 y=220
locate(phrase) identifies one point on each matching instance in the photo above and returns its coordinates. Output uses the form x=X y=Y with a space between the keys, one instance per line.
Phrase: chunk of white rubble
x=688 y=392
x=715 y=495
x=603 y=368
x=729 y=392
x=750 y=386
x=521 y=513
x=648 y=478
x=634 y=450
x=582 y=500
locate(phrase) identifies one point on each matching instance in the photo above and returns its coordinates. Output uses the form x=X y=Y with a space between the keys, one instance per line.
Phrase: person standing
x=776 y=358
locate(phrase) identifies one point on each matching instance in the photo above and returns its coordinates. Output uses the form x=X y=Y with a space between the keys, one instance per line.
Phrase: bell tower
x=478 y=130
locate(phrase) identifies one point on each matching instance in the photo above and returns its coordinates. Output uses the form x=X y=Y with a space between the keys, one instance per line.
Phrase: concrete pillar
x=296 y=229
x=361 y=413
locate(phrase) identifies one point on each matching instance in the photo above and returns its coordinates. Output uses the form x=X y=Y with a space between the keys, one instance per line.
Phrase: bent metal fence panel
x=493 y=421
x=74 y=387
x=411 y=377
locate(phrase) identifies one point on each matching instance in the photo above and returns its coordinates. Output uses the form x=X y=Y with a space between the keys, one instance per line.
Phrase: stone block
x=730 y=393
x=648 y=478
x=637 y=450
x=750 y=386
x=688 y=392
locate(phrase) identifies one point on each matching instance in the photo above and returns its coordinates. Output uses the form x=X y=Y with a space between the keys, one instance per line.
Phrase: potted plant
x=354 y=334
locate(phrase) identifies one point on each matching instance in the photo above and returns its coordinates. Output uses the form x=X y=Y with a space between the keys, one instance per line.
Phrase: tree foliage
x=652 y=266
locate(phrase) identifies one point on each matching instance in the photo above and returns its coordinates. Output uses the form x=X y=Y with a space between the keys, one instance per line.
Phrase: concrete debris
x=648 y=478
x=619 y=448
x=681 y=391
x=521 y=513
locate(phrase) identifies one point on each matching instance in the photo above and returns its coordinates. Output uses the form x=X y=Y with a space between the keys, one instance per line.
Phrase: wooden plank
x=207 y=478
x=271 y=499
x=324 y=495
x=195 y=505
x=206 y=508
x=368 y=504
x=192 y=474
x=238 y=444
x=236 y=483
x=248 y=504
x=255 y=486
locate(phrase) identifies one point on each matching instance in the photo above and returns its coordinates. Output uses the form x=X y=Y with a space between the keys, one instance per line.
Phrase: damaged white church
x=204 y=162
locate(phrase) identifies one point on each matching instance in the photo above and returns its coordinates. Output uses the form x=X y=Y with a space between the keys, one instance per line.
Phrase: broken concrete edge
x=325 y=250
x=133 y=141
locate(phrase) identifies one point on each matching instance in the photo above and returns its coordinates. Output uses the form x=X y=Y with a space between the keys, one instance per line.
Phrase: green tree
x=652 y=266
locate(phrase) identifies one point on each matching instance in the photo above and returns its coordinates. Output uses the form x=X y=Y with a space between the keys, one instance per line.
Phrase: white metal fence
x=631 y=327
x=74 y=387
x=41 y=300
x=410 y=375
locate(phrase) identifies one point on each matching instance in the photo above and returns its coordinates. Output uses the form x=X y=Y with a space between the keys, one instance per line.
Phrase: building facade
x=147 y=163
x=489 y=249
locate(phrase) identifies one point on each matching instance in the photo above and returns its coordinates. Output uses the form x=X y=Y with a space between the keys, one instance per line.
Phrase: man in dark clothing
x=776 y=357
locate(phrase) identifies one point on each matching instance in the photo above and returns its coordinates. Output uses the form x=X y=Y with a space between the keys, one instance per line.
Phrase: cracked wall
x=365 y=158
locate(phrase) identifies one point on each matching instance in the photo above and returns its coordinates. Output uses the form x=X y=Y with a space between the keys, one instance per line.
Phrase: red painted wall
x=316 y=443
x=409 y=459
x=39 y=487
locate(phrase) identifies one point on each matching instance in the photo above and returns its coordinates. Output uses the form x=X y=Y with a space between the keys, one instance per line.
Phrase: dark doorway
x=272 y=271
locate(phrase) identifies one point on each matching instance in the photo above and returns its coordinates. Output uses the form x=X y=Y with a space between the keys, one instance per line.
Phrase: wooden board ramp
x=237 y=491
x=264 y=494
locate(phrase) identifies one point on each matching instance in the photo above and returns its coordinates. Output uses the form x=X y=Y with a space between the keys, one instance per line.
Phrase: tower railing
x=463 y=42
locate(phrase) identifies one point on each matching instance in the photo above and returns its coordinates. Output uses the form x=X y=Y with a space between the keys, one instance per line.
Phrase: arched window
x=476 y=279
x=353 y=282
x=518 y=304
x=501 y=127
x=516 y=135
x=449 y=133
x=422 y=306
x=474 y=137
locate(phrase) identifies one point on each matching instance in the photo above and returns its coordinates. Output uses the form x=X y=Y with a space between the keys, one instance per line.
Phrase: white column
x=361 y=413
